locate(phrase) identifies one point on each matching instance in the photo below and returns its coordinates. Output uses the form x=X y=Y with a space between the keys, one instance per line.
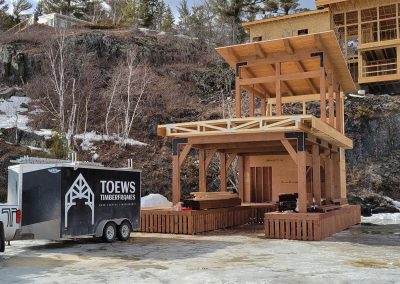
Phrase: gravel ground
x=364 y=254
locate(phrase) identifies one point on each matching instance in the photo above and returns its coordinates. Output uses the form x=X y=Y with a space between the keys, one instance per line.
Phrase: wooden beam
x=184 y=153
x=331 y=103
x=256 y=137
x=299 y=55
x=316 y=168
x=284 y=77
x=202 y=171
x=238 y=97
x=263 y=107
x=302 y=181
x=278 y=88
x=323 y=93
x=339 y=112
x=292 y=152
x=210 y=156
x=310 y=83
x=230 y=160
x=222 y=169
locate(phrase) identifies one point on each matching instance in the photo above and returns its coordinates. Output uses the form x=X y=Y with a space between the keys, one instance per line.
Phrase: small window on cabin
x=257 y=38
x=302 y=32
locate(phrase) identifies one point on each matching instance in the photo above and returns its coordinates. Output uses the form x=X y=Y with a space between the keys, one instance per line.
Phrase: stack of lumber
x=212 y=200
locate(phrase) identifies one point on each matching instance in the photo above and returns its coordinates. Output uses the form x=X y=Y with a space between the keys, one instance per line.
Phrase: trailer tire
x=109 y=232
x=124 y=231
x=2 y=238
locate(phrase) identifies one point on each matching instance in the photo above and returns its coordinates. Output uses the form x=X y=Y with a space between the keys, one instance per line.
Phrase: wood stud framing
x=311 y=143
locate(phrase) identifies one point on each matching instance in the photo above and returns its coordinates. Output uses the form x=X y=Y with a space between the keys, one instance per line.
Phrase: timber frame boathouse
x=277 y=150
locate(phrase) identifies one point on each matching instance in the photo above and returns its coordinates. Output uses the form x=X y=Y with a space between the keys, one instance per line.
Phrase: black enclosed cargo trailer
x=64 y=200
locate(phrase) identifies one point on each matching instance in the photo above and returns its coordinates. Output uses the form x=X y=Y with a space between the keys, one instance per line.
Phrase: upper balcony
x=272 y=76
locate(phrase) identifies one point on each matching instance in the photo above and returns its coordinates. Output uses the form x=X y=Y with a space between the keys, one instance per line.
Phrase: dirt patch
x=369 y=263
x=36 y=261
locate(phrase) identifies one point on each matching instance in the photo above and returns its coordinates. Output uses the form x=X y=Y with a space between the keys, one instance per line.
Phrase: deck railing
x=379 y=68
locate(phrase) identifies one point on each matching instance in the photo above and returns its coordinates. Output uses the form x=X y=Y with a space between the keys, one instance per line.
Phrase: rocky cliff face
x=191 y=85
x=373 y=123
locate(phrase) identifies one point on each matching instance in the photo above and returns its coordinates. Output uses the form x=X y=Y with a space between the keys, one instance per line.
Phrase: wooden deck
x=310 y=226
x=167 y=221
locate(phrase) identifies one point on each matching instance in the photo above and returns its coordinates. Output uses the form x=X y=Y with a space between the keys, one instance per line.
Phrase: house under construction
x=368 y=32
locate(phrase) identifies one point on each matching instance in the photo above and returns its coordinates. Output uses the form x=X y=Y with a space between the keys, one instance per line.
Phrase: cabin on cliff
x=368 y=34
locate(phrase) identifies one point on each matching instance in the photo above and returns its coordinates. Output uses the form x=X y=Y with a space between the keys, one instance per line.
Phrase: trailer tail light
x=18 y=217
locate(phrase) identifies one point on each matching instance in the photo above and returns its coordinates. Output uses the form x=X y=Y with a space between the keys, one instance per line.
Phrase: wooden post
x=323 y=94
x=339 y=112
x=222 y=168
x=176 y=179
x=331 y=102
x=329 y=178
x=342 y=161
x=240 y=169
x=342 y=112
x=251 y=102
x=336 y=176
x=301 y=180
x=316 y=168
x=264 y=107
x=238 y=93
x=202 y=171
x=278 y=89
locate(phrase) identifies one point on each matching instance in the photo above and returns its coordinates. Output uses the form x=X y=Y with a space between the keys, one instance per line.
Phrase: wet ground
x=364 y=254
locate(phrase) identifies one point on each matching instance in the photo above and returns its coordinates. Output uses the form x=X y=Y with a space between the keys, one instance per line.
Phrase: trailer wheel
x=124 y=231
x=2 y=239
x=109 y=232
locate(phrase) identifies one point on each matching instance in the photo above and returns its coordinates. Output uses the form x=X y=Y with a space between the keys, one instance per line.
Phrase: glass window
x=12 y=196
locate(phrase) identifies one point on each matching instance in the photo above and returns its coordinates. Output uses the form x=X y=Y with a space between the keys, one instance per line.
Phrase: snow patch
x=11 y=109
x=46 y=133
x=154 y=200
x=383 y=219
x=89 y=137
x=394 y=202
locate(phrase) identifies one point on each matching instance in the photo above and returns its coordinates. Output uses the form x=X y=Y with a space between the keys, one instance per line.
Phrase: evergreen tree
x=158 y=15
x=130 y=12
x=284 y=7
x=74 y=8
x=147 y=9
x=168 y=20
x=20 y=6
x=3 y=7
x=184 y=16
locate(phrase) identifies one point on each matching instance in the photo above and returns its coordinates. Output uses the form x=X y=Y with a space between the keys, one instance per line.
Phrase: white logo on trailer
x=79 y=190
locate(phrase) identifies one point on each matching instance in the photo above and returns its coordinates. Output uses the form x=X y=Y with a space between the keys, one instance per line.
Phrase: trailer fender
x=100 y=226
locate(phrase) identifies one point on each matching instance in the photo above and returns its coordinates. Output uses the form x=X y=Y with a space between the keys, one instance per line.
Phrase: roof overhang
x=248 y=25
x=297 y=55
